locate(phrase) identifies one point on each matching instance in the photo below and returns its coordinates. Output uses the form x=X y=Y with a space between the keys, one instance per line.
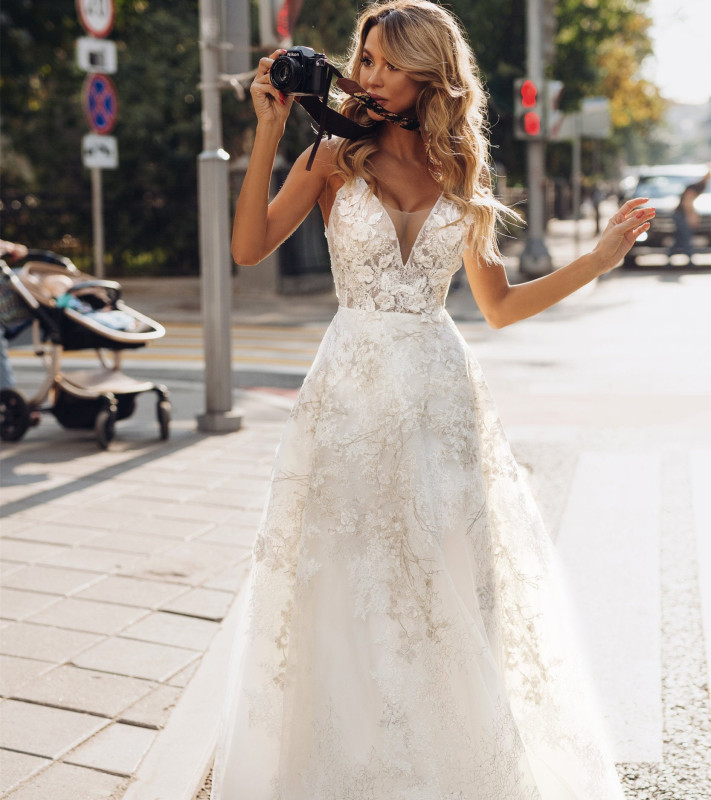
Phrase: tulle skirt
x=405 y=633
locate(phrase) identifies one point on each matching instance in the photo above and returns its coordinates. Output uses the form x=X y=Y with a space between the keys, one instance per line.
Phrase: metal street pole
x=535 y=258
x=577 y=175
x=97 y=214
x=215 y=259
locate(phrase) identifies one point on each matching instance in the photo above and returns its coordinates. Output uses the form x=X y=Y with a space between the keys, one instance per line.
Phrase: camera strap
x=330 y=122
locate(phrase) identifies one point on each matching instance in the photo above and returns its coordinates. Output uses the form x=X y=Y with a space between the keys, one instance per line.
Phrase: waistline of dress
x=406 y=317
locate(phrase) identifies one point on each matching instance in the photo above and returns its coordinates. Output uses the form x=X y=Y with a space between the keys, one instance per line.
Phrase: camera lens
x=285 y=74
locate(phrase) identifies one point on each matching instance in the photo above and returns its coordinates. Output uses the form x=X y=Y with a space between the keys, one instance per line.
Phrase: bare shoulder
x=324 y=163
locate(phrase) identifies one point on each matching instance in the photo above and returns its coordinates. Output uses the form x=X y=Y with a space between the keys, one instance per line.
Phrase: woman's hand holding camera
x=270 y=105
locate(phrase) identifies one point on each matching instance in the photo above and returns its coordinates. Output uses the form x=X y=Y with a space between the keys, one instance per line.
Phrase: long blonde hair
x=427 y=42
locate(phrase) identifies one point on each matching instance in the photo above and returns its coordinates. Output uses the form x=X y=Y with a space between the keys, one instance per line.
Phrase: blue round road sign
x=100 y=103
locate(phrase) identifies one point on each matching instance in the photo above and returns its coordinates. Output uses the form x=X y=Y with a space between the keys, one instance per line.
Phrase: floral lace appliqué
x=366 y=261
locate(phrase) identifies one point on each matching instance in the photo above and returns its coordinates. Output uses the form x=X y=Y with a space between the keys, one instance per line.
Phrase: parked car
x=663 y=185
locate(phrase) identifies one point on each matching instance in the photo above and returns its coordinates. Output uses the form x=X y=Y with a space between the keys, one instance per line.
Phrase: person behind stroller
x=12 y=252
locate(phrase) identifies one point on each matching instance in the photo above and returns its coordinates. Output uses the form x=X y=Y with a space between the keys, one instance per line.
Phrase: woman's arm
x=259 y=226
x=503 y=304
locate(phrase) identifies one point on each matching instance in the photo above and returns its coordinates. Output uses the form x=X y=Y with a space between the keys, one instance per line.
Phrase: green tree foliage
x=42 y=186
x=150 y=200
x=600 y=46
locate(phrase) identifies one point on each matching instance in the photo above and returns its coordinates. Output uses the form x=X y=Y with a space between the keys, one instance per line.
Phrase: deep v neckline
x=393 y=229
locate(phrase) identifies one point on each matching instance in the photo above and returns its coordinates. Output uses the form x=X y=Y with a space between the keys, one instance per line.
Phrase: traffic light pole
x=535 y=258
x=215 y=260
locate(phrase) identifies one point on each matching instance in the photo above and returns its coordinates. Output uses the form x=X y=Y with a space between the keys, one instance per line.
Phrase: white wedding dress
x=404 y=635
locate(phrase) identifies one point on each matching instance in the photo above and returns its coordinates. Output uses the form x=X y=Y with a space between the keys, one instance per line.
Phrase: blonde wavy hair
x=427 y=42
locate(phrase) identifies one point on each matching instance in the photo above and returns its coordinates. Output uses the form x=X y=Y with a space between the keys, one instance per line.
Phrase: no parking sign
x=100 y=103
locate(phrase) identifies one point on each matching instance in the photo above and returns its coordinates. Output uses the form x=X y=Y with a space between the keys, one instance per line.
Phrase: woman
x=404 y=635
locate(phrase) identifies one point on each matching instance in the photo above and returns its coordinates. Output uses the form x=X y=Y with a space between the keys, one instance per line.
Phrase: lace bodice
x=367 y=264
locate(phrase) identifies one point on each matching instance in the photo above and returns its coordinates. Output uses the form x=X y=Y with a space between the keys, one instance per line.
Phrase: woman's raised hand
x=270 y=105
x=622 y=231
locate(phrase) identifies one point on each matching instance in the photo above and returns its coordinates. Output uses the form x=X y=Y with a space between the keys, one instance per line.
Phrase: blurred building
x=688 y=132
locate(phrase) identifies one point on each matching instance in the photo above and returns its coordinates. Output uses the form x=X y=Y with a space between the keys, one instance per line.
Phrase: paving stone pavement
x=118 y=568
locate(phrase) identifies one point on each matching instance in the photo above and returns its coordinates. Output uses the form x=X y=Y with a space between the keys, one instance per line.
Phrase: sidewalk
x=119 y=569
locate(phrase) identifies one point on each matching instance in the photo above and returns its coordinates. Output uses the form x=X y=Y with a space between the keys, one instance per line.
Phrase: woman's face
x=393 y=88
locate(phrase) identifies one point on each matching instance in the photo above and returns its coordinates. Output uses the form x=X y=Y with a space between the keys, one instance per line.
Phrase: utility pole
x=535 y=259
x=215 y=259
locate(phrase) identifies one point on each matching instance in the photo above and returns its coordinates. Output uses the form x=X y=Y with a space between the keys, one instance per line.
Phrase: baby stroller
x=69 y=310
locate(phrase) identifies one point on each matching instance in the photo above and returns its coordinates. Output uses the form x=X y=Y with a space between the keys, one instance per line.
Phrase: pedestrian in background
x=10 y=251
x=686 y=220
x=405 y=634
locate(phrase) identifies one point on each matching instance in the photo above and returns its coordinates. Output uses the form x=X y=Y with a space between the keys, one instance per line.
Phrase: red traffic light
x=532 y=123
x=528 y=94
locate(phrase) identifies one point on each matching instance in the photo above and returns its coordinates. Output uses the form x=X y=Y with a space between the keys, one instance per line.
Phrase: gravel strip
x=685 y=773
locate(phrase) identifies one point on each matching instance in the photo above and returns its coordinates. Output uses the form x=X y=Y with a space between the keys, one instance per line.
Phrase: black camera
x=301 y=71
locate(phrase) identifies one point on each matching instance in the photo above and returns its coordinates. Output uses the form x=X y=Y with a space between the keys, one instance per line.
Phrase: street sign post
x=100 y=102
x=96 y=55
x=96 y=16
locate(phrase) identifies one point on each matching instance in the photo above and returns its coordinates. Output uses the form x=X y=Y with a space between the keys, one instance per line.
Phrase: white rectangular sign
x=592 y=121
x=99 y=151
x=596 y=117
x=96 y=55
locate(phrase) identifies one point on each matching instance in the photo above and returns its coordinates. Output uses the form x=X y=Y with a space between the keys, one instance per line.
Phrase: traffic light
x=528 y=110
x=276 y=21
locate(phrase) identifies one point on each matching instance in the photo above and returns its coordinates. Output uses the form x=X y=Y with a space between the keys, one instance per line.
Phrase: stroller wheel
x=163 y=410
x=14 y=415
x=104 y=427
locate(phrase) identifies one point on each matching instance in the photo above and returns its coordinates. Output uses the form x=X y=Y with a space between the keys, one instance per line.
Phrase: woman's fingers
x=267 y=100
x=630 y=205
x=638 y=218
x=631 y=215
x=265 y=63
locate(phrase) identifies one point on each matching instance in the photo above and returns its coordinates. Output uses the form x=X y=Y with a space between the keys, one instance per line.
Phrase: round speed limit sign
x=96 y=16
